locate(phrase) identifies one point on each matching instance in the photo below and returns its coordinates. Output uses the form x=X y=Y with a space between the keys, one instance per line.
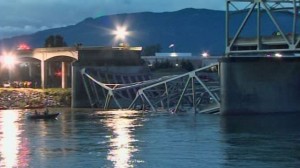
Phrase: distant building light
x=58 y=73
x=205 y=54
x=174 y=54
x=24 y=64
x=278 y=55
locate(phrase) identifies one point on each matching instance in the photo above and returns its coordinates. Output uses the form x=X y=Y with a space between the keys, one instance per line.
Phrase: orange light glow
x=23 y=46
x=59 y=74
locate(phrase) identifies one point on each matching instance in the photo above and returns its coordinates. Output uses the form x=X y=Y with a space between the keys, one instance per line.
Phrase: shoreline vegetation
x=23 y=98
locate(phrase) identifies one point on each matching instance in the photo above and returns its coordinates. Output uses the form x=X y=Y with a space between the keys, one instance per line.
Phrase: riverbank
x=24 y=97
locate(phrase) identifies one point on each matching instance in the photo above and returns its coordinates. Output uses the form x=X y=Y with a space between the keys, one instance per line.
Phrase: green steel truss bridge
x=258 y=30
x=269 y=33
x=197 y=90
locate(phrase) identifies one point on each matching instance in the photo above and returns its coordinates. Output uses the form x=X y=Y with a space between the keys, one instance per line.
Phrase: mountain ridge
x=190 y=30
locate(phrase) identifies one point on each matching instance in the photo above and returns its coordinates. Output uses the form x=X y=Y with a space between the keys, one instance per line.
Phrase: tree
x=187 y=65
x=55 y=41
x=151 y=50
x=165 y=64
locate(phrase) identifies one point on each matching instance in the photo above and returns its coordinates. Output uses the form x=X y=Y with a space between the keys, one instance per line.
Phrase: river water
x=121 y=139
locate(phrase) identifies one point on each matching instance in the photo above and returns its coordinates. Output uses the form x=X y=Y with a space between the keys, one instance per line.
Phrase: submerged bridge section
x=197 y=90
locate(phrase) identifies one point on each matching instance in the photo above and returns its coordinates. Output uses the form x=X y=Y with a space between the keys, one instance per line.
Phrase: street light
x=172 y=46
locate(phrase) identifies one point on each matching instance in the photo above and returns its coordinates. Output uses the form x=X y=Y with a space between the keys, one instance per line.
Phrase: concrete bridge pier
x=46 y=70
x=260 y=85
x=79 y=95
x=43 y=74
x=64 y=74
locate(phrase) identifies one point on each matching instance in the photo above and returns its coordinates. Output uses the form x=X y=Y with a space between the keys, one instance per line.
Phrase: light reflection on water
x=269 y=141
x=122 y=125
x=13 y=151
x=91 y=138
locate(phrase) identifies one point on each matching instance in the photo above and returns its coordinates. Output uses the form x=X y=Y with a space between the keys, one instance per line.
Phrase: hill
x=191 y=30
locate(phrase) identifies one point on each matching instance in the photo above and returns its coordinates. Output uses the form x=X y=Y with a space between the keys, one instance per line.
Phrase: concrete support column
x=64 y=75
x=69 y=74
x=79 y=95
x=260 y=85
x=50 y=69
x=43 y=74
x=30 y=70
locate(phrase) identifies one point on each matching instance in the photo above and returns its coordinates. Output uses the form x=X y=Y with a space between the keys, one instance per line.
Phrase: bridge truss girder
x=166 y=93
x=287 y=42
x=186 y=89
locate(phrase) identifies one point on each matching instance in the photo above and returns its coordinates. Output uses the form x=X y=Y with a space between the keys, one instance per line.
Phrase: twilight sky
x=28 y=16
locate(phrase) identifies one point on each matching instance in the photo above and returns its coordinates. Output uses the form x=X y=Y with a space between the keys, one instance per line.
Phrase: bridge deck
x=268 y=40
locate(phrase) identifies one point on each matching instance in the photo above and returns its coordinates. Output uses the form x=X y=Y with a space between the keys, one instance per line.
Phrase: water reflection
x=88 y=138
x=262 y=140
x=121 y=124
x=13 y=152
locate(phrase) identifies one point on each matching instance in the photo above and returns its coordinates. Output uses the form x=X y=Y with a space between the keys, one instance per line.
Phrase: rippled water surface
x=91 y=138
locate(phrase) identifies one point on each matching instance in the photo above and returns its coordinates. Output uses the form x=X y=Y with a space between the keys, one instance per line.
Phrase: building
x=117 y=65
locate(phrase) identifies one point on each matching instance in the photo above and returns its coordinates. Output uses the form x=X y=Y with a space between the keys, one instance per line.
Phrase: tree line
x=59 y=41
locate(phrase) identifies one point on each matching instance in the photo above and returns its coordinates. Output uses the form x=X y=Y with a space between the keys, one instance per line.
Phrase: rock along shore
x=24 y=97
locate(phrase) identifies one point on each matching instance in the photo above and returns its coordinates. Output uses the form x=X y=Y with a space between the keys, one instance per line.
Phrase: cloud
x=10 y=31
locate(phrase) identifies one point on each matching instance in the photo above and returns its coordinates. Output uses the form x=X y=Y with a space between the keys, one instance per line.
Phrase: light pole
x=173 y=47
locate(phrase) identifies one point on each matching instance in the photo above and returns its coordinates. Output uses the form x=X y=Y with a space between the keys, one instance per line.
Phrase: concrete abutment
x=259 y=85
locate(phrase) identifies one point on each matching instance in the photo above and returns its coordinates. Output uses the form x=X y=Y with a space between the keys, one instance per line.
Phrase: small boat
x=43 y=116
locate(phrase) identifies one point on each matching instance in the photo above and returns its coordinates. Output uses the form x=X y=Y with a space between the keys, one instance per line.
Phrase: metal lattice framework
x=197 y=89
x=272 y=33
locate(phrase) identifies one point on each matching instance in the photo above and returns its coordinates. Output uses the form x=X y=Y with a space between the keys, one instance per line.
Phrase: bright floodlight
x=121 y=33
x=204 y=54
x=9 y=60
